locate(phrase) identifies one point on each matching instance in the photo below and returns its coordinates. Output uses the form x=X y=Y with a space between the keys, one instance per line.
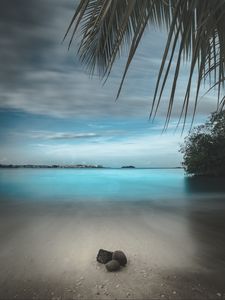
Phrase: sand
x=48 y=250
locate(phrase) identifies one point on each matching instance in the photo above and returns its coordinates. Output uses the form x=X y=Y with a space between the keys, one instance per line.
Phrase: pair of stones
x=112 y=260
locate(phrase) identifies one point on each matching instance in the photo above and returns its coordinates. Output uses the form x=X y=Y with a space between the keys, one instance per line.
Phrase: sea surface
x=54 y=221
x=106 y=184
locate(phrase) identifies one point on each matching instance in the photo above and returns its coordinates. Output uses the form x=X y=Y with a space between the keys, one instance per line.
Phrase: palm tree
x=196 y=33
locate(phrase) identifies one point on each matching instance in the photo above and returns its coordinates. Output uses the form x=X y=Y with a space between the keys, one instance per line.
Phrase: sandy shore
x=48 y=250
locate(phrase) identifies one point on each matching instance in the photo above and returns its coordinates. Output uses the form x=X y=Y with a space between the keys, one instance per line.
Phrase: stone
x=104 y=256
x=120 y=257
x=112 y=265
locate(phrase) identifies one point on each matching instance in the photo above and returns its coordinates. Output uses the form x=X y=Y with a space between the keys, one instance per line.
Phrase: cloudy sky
x=53 y=112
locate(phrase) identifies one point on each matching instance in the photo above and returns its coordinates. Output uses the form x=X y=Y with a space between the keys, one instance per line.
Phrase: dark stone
x=112 y=265
x=120 y=257
x=104 y=256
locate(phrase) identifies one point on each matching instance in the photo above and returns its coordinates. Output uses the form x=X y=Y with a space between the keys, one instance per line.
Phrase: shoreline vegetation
x=203 y=148
x=79 y=166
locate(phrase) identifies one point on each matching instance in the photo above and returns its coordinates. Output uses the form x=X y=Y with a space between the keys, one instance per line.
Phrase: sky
x=53 y=112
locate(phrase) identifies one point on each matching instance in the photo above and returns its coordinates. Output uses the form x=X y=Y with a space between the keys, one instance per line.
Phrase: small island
x=127 y=167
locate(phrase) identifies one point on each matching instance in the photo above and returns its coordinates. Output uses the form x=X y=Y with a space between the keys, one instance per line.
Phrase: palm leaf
x=195 y=28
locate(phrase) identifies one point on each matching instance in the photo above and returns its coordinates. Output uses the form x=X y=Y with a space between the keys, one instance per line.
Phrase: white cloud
x=60 y=135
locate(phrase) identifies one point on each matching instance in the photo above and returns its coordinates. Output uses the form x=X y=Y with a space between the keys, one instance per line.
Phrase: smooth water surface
x=105 y=184
x=170 y=226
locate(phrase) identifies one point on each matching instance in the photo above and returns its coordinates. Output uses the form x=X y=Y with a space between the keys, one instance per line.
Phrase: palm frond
x=195 y=30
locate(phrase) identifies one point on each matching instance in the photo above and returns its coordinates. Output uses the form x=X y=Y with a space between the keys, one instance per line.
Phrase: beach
x=112 y=138
x=48 y=249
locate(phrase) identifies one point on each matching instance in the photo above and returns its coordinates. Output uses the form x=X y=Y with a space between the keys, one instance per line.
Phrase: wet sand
x=48 y=250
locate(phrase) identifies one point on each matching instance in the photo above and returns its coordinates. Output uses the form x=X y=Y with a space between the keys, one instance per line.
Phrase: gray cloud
x=54 y=135
x=100 y=135
x=31 y=32
x=39 y=76
x=62 y=135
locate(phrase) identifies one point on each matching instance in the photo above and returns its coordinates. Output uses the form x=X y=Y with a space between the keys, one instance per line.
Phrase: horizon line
x=83 y=166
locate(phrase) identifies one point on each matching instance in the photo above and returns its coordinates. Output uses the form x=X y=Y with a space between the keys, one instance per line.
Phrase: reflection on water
x=204 y=185
x=206 y=218
x=207 y=227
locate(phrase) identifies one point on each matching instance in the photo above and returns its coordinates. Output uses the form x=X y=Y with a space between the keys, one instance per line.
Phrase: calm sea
x=105 y=184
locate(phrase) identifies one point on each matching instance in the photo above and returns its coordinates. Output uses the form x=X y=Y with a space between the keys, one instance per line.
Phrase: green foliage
x=195 y=33
x=204 y=148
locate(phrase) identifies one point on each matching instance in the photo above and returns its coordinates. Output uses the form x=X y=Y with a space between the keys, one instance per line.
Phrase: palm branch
x=196 y=33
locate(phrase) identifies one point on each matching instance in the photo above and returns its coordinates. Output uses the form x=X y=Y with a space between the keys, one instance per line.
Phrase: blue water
x=104 y=184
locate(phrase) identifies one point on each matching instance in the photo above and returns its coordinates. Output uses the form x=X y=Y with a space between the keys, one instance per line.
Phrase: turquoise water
x=104 y=184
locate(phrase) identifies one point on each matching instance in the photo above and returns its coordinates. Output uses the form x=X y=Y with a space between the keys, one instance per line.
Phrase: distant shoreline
x=28 y=166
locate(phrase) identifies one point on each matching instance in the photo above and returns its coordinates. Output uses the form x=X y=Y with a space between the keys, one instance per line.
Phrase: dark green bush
x=204 y=148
